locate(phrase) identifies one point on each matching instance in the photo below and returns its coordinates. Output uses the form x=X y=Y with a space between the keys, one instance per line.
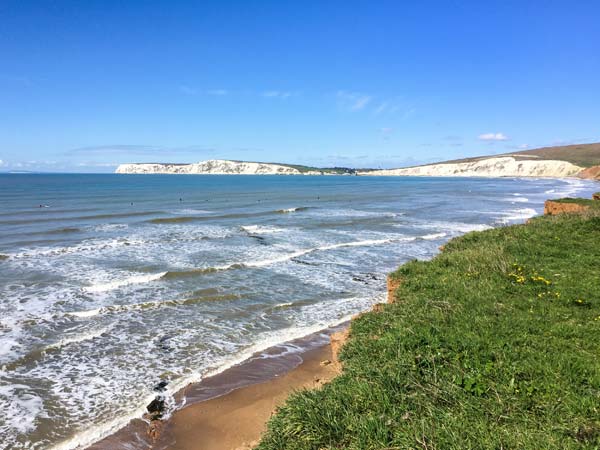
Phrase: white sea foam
x=296 y=254
x=191 y=211
x=78 y=338
x=268 y=340
x=21 y=408
x=106 y=227
x=85 y=314
x=517 y=199
x=516 y=215
x=261 y=229
x=290 y=210
x=138 y=279
x=451 y=227
x=85 y=246
x=350 y=212
x=283 y=305
x=433 y=236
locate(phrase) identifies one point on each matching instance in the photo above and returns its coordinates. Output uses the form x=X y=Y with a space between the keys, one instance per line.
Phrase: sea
x=113 y=284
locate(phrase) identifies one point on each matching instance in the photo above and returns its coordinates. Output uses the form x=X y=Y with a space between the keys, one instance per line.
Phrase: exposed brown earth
x=392 y=285
x=552 y=208
x=591 y=173
x=337 y=341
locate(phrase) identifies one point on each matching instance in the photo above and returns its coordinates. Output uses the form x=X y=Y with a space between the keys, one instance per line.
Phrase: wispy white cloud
x=283 y=95
x=492 y=137
x=1 y=162
x=189 y=90
x=352 y=101
x=393 y=106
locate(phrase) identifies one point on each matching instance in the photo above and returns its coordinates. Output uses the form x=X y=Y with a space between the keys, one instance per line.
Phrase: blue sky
x=85 y=85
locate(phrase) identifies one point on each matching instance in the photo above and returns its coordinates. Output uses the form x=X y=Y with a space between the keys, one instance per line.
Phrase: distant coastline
x=550 y=162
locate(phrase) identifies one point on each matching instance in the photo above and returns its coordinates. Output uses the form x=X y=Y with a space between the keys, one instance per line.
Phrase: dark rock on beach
x=156 y=408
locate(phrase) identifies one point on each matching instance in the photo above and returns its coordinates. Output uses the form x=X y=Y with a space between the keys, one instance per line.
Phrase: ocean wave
x=107 y=227
x=80 y=218
x=283 y=305
x=85 y=314
x=291 y=210
x=570 y=188
x=152 y=305
x=99 y=431
x=79 y=248
x=21 y=408
x=516 y=199
x=430 y=237
x=452 y=227
x=191 y=211
x=516 y=215
x=34 y=355
x=261 y=229
x=350 y=212
x=138 y=279
x=287 y=257
x=76 y=339
x=211 y=217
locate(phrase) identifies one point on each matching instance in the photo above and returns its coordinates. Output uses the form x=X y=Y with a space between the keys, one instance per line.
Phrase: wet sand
x=230 y=410
x=236 y=420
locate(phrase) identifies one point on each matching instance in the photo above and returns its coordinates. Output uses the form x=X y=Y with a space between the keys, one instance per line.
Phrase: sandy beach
x=237 y=419
x=230 y=410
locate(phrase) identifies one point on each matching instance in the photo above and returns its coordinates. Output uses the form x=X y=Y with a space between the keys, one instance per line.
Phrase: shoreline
x=137 y=432
x=255 y=386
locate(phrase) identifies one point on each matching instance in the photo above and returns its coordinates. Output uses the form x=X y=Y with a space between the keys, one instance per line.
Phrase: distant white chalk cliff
x=214 y=167
x=499 y=166
x=505 y=166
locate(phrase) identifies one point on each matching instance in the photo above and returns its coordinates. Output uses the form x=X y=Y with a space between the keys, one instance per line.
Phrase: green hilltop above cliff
x=583 y=155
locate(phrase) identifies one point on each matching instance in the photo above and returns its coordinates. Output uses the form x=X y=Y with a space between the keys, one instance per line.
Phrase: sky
x=87 y=85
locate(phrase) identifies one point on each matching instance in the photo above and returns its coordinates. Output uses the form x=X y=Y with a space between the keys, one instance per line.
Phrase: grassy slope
x=583 y=155
x=493 y=344
x=336 y=170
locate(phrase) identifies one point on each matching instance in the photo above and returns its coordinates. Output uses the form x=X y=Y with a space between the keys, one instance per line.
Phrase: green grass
x=493 y=344
x=334 y=170
x=583 y=155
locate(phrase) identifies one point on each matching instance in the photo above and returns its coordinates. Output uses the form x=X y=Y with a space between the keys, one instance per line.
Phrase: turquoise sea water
x=110 y=284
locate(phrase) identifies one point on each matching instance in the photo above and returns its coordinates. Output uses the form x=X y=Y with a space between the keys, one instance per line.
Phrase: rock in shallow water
x=156 y=408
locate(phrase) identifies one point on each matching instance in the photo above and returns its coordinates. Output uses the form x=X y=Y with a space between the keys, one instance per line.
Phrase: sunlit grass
x=494 y=344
